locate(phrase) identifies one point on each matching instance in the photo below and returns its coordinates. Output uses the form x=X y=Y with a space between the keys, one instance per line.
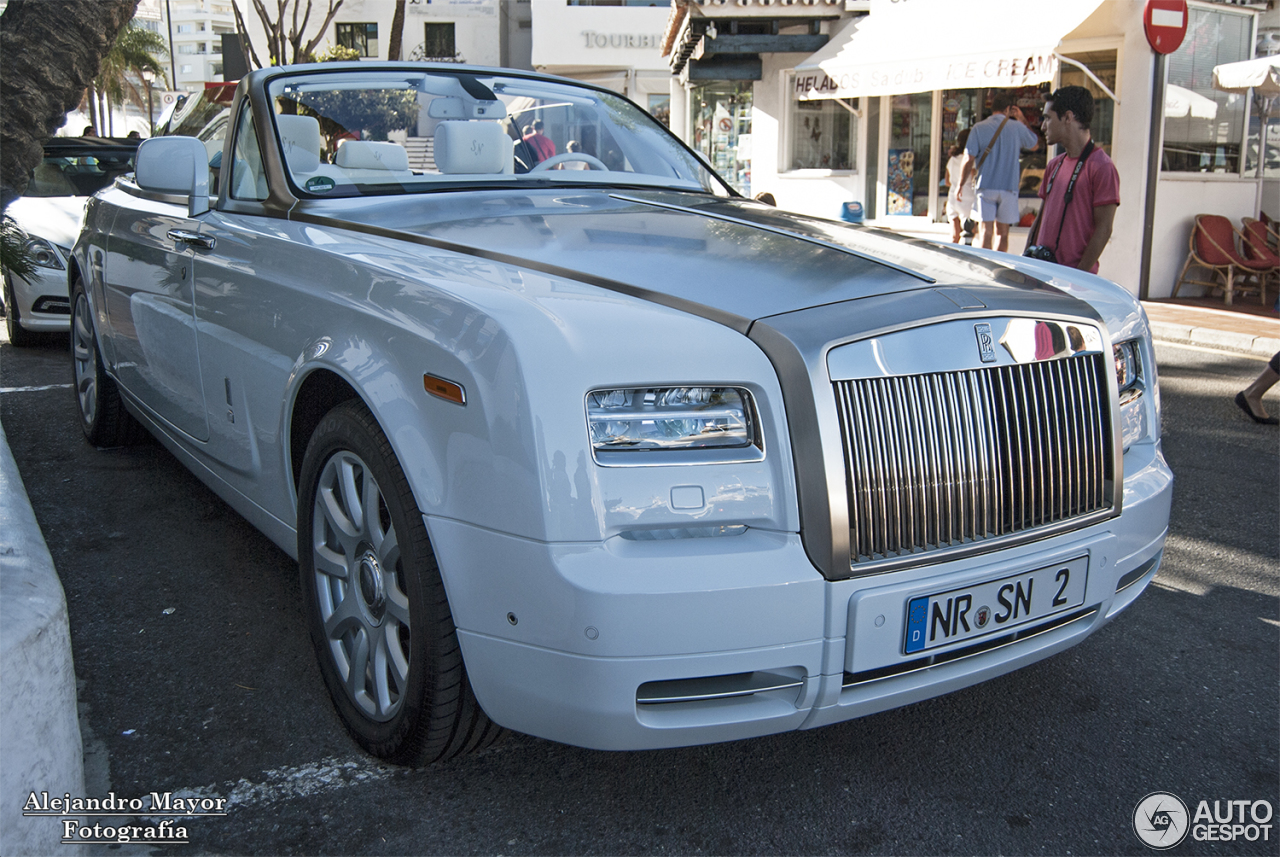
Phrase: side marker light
x=443 y=389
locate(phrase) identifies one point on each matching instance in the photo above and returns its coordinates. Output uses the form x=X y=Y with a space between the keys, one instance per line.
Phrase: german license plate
x=961 y=614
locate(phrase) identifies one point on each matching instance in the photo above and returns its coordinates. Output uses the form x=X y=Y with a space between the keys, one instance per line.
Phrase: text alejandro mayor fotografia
x=119 y=814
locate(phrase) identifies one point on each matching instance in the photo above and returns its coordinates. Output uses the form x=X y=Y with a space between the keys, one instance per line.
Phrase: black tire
x=103 y=418
x=19 y=336
x=395 y=611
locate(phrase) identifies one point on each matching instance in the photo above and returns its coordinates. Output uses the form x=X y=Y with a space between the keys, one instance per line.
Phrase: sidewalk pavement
x=1252 y=333
x=38 y=721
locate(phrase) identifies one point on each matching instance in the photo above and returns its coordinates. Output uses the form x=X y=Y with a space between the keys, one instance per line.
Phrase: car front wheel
x=102 y=415
x=375 y=602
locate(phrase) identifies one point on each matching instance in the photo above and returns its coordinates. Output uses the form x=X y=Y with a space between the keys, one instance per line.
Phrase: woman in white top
x=959 y=199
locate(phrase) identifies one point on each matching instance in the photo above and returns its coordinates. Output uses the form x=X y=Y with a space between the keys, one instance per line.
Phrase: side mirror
x=176 y=165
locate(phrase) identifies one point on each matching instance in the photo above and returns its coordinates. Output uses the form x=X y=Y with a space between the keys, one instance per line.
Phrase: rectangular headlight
x=1129 y=383
x=1128 y=366
x=646 y=419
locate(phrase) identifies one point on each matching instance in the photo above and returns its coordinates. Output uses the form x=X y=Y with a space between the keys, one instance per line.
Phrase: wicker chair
x=1259 y=244
x=1212 y=246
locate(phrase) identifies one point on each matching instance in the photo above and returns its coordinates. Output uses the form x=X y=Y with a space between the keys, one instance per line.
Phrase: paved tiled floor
x=1253 y=320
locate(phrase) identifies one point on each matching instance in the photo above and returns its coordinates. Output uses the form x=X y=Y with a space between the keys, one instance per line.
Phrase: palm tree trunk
x=50 y=50
x=102 y=113
x=86 y=105
x=397 y=32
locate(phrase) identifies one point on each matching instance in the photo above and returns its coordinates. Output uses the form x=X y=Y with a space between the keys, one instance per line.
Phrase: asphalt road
x=195 y=677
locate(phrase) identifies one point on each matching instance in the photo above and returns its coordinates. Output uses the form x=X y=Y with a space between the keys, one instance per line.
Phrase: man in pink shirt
x=539 y=144
x=1081 y=188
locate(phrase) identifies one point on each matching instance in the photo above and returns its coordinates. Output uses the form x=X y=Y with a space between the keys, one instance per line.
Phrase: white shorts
x=1001 y=205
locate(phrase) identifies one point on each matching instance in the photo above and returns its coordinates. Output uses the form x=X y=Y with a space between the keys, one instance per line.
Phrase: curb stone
x=39 y=727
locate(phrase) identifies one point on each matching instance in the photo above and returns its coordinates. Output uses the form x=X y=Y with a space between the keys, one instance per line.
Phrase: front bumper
x=559 y=639
x=42 y=302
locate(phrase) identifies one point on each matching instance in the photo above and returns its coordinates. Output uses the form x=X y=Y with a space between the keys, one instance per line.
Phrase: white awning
x=1261 y=75
x=1180 y=102
x=923 y=45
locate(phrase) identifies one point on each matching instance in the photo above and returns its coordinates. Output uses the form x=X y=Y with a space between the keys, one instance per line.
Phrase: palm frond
x=14 y=256
x=134 y=51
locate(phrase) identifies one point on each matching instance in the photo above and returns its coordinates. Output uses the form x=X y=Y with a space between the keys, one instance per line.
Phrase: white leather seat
x=300 y=136
x=472 y=148
x=369 y=155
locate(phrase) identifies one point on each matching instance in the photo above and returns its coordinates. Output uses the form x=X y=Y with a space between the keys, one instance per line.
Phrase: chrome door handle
x=195 y=239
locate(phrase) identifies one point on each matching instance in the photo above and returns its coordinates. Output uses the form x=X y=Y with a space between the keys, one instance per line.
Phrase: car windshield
x=79 y=171
x=353 y=133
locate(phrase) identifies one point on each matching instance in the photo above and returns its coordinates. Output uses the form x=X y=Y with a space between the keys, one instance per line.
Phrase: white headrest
x=472 y=147
x=300 y=136
x=366 y=155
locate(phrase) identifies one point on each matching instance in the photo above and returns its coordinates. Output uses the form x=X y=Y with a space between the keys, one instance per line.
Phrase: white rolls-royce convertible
x=577 y=441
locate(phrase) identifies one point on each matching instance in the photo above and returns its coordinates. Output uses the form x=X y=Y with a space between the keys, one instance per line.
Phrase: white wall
x=816 y=192
x=1178 y=200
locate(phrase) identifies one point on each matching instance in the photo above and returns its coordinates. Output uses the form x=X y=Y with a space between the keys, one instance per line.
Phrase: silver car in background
x=611 y=455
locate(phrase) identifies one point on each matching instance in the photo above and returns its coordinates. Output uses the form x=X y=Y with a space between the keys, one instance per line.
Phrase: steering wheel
x=591 y=161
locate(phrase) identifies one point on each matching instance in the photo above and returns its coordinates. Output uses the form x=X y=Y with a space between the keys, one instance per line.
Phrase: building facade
x=479 y=32
x=194 y=30
x=616 y=44
x=871 y=114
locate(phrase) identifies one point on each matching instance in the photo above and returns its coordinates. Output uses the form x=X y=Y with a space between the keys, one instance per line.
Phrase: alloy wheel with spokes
x=84 y=354
x=102 y=414
x=375 y=602
x=360 y=590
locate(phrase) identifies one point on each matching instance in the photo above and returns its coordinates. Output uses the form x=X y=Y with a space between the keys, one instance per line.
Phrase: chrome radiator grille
x=939 y=460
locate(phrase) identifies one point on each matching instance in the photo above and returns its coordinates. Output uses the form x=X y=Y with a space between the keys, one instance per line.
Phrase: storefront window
x=824 y=136
x=1202 y=126
x=959 y=112
x=1030 y=99
x=1270 y=119
x=722 y=129
x=660 y=108
x=1103 y=65
x=910 y=132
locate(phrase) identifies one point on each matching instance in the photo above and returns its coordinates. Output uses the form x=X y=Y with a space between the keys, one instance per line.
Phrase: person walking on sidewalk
x=959 y=193
x=1081 y=190
x=994 y=152
x=1250 y=398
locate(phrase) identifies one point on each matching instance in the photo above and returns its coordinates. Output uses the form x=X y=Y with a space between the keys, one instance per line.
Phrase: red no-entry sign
x=1165 y=22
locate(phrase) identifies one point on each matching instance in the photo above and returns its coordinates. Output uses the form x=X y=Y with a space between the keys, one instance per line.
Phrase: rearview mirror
x=175 y=165
x=456 y=108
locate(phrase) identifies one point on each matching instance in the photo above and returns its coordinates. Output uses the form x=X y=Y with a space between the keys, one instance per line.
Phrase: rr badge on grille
x=986 y=343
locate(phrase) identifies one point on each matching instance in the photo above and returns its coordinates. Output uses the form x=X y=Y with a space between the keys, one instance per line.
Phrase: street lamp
x=149 y=76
